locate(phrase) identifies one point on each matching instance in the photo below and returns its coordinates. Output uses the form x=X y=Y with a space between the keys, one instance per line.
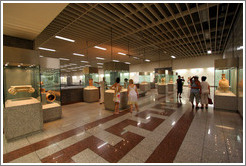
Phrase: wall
x=234 y=49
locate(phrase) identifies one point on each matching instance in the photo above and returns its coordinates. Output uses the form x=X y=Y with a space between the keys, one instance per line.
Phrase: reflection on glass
x=21 y=85
x=110 y=76
x=88 y=77
x=240 y=82
x=144 y=79
x=50 y=87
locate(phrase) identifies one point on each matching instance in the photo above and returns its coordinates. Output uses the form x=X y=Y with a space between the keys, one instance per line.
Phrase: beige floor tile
x=29 y=158
x=86 y=156
x=129 y=159
x=67 y=142
x=140 y=152
x=81 y=136
x=16 y=144
x=37 y=137
x=137 y=130
x=44 y=152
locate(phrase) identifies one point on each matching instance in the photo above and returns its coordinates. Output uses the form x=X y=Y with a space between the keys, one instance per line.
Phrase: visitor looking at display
x=103 y=86
x=205 y=91
x=117 y=87
x=180 y=82
x=195 y=90
x=133 y=95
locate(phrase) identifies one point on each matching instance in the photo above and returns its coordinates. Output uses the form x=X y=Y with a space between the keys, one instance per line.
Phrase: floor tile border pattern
x=168 y=148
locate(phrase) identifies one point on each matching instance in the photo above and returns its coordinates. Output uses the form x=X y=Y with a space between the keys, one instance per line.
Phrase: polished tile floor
x=164 y=131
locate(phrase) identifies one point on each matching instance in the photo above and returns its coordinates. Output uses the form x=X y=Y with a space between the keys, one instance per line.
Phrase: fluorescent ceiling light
x=41 y=56
x=100 y=63
x=72 y=64
x=209 y=52
x=63 y=38
x=78 y=54
x=240 y=48
x=147 y=60
x=101 y=48
x=100 y=58
x=99 y=66
x=115 y=61
x=64 y=59
x=127 y=63
x=88 y=65
x=46 y=49
x=19 y=65
x=135 y=57
x=121 y=53
x=74 y=70
x=84 y=61
x=173 y=57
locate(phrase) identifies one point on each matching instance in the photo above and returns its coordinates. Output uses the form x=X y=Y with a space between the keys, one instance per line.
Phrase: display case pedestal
x=144 y=86
x=162 y=88
x=226 y=101
x=51 y=112
x=109 y=103
x=91 y=95
x=170 y=87
x=22 y=117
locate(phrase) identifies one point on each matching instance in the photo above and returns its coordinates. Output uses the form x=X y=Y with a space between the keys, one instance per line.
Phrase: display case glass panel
x=170 y=79
x=225 y=80
x=93 y=76
x=110 y=76
x=144 y=78
x=64 y=80
x=21 y=85
x=161 y=79
x=240 y=82
x=50 y=87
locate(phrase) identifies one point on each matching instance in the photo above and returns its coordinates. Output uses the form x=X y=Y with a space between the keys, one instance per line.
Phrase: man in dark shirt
x=179 y=86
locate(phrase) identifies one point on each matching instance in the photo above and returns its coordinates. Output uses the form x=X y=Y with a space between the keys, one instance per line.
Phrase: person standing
x=103 y=86
x=133 y=95
x=205 y=91
x=179 y=86
x=125 y=83
x=195 y=90
x=117 y=87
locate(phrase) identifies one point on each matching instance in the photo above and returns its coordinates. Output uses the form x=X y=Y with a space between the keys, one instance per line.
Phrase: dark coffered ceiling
x=153 y=31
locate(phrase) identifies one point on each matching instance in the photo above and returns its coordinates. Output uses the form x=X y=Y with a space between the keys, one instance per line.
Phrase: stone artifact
x=90 y=82
x=21 y=88
x=171 y=81
x=223 y=84
x=50 y=96
x=163 y=80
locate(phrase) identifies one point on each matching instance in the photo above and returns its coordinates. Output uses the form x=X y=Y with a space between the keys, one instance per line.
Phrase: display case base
x=170 y=87
x=91 y=95
x=225 y=102
x=109 y=103
x=162 y=89
x=144 y=87
x=22 y=120
x=52 y=112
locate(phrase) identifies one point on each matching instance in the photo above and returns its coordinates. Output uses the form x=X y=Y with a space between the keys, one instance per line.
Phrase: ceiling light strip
x=46 y=49
x=101 y=48
x=63 y=38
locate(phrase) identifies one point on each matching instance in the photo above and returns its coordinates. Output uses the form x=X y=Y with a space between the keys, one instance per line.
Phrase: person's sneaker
x=206 y=107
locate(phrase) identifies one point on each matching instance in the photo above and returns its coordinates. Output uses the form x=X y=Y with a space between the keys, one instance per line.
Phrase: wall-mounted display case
x=22 y=113
x=110 y=76
x=144 y=80
x=225 y=81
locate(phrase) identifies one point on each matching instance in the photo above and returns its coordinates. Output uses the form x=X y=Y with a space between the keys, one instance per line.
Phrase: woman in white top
x=133 y=96
x=205 y=90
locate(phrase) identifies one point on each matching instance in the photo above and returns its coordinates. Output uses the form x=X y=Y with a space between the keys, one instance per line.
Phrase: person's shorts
x=194 y=95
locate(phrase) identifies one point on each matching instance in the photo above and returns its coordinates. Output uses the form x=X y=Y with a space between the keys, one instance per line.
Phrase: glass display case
x=170 y=79
x=144 y=78
x=21 y=84
x=225 y=81
x=240 y=82
x=110 y=76
x=50 y=87
x=93 y=76
x=161 y=79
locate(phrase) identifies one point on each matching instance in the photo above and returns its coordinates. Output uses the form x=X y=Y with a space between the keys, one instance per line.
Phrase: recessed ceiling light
x=80 y=69
x=74 y=70
x=101 y=48
x=78 y=54
x=135 y=57
x=84 y=61
x=100 y=58
x=46 y=49
x=72 y=64
x=127 y=63
x=240 y=48
x=88 y=65
x=64 y=59
x=63 y=38
x=7 y=64
x=115 y=61
x=19 y=65
x=100 y=63
x=121 y=53
x=209 y=52
x=99 y=66
x=147 y=60
x=165 y=52
x=41 y=56
x=173 y=57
